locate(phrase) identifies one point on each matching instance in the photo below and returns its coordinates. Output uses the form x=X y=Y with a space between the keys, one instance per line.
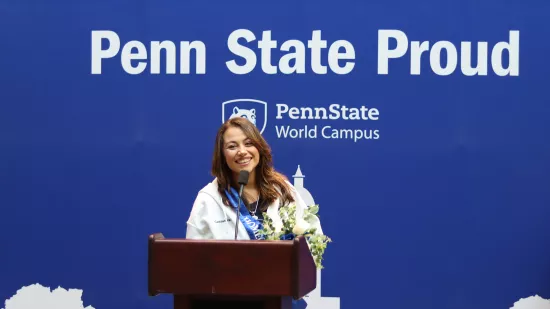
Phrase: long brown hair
x=271 y=184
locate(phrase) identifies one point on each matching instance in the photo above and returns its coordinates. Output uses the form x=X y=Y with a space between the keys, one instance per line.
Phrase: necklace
x=255 y=209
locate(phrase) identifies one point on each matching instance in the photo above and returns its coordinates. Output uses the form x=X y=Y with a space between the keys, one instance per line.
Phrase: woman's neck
x=251 y=189
x=251 y=184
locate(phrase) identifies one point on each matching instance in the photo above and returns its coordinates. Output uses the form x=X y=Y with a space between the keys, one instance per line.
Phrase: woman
x=240 y=146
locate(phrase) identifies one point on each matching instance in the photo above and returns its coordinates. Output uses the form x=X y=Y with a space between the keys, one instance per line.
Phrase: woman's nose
x=241 y=151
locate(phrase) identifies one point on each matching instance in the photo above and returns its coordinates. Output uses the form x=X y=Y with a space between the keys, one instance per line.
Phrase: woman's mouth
x=244 y=161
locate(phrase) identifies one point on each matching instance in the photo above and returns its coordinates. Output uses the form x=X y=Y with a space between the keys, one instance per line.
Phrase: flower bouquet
x=292 y=226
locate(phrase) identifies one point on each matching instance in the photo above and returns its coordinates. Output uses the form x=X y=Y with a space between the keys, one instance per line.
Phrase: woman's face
x=239 y=152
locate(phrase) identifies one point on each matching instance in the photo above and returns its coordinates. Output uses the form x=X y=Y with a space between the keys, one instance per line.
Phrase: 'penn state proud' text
x=315 y=55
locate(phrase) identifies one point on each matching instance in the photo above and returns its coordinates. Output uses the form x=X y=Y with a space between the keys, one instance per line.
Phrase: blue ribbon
x=299 y=304
x=251 y=224
x=287 y=237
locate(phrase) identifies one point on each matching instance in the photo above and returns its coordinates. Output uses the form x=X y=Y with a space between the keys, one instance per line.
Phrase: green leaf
x=313 y=209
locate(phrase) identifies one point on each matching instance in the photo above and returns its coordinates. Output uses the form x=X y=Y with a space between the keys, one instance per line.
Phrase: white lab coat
x=211 y=219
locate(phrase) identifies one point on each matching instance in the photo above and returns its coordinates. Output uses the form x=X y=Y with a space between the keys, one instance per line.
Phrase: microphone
x=243 y=180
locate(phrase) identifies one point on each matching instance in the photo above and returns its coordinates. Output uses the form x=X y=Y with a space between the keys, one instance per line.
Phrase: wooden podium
x=240 y=273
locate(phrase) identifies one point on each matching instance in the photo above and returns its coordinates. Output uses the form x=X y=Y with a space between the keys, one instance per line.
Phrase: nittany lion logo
x=253 y=110
x=249 y=114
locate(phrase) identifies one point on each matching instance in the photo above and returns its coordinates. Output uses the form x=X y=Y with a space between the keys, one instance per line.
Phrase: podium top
x=230 y=267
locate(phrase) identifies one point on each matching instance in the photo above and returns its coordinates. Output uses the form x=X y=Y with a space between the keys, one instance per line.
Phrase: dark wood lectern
x=244 y=273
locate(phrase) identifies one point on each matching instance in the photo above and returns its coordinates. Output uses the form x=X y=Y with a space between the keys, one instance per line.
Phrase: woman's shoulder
x=290 y=185
x=288 y=182
x=210 y=188
x=283 y=182
x=207 y=196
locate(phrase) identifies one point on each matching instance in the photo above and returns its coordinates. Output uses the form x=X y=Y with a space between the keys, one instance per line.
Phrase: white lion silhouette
x=249 y=114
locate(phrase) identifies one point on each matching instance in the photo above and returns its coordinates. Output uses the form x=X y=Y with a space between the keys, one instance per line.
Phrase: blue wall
x=447 y=208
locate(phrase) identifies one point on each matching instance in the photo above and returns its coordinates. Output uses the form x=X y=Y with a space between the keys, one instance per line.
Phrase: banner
x=419 y=128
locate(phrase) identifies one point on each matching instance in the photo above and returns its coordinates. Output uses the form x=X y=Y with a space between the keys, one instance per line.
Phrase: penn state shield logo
x=253 y=110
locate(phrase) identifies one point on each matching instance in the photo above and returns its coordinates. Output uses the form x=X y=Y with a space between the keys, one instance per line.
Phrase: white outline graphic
x=247 y=100
x=314 y=299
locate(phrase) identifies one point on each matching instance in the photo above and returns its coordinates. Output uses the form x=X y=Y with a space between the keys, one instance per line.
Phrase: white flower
x=277 y=225
x=276 y=220
x=286 y=220
x=300 y=227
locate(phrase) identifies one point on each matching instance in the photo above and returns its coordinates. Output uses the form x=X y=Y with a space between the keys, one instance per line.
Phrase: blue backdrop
x=445 y=205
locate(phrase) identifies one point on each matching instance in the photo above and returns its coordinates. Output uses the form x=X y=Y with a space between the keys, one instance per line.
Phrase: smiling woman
x=240 y=146
x=240 y=153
